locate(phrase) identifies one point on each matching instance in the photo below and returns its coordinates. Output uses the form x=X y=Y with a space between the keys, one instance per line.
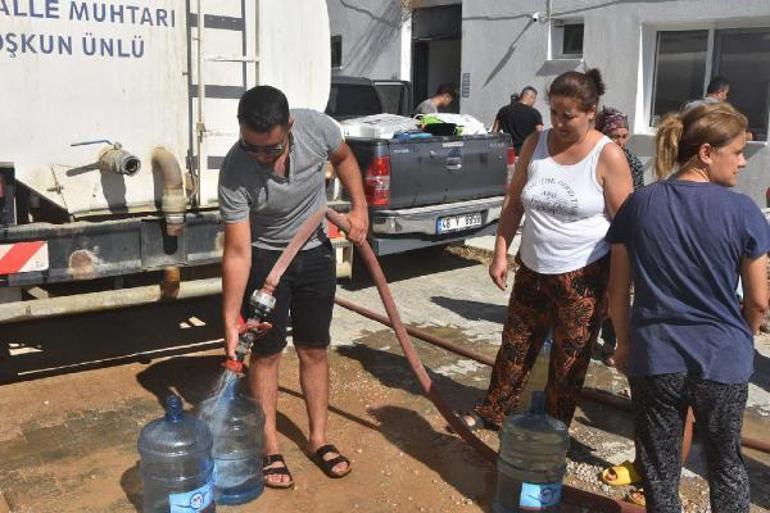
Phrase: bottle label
x=539 y=496
x=195 y=501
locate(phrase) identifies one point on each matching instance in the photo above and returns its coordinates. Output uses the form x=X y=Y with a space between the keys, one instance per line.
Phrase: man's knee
x=265 y=361
x=311 y=355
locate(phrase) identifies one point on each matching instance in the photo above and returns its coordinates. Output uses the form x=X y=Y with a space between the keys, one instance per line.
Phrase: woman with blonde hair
x=570 y=180
x=685 y=342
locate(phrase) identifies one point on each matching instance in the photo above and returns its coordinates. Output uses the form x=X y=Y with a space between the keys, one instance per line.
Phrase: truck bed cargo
x=423 y=191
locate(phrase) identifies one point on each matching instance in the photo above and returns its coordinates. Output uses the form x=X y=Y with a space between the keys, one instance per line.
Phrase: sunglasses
x=273 y=150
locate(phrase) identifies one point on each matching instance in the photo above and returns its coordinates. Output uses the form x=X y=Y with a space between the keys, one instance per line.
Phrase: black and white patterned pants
x=660 y=405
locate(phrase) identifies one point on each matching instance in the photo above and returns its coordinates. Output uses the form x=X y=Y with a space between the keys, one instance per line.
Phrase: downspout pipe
x=174 y=201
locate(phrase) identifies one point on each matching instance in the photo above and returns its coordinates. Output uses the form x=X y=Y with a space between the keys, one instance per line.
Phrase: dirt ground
x=78 y=390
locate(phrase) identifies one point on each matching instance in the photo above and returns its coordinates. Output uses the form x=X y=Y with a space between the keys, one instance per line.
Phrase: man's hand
x=346 y=167
x=359 y=225
x=231 y=340
x=498 y=271
x=232 y=335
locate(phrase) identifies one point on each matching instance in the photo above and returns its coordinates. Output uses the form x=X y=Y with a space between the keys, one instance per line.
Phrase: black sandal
x=479 y=422
x=328 y=465
x=280 y=471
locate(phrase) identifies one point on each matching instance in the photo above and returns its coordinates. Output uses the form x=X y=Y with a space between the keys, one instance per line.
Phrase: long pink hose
x=571 y=494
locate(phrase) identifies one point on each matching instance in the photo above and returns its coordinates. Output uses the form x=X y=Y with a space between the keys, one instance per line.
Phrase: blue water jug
x=531 y=461
x=176 y=464
x=237 y=423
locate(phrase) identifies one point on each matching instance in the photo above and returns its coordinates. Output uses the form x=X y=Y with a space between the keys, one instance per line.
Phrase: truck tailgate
x=446 y=169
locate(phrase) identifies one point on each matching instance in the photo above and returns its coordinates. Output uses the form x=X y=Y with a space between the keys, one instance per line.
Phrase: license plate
x=456 y=223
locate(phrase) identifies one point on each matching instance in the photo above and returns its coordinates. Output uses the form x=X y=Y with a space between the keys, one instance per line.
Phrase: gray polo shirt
x=279 y=205
x=426 y=107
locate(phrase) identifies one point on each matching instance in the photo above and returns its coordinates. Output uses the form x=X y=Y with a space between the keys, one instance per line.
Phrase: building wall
x=371 y=37
x=504 y=50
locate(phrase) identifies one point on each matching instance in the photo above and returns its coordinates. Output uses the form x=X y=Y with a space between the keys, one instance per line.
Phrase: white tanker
x=115 y=118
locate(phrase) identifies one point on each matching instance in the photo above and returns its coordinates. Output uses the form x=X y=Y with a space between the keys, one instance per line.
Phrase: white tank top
x=566 y=218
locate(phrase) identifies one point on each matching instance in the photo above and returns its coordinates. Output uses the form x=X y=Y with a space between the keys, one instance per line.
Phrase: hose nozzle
x=262 y=304
x=234 y=366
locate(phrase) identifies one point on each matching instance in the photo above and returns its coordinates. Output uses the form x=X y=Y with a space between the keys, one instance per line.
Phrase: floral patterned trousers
x=573 y=305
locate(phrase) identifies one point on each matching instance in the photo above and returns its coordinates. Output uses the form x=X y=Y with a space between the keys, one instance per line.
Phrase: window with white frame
x=567 y=38
x=685 y=61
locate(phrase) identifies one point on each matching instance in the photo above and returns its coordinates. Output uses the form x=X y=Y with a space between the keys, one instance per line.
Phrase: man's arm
x=538 y=121
x=754 y=278
x=346 y=167
x=236 y=264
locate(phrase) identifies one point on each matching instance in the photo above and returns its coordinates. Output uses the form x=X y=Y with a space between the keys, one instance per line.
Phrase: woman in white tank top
x=570 y=182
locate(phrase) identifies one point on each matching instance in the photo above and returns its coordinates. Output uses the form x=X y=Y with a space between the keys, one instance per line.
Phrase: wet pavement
x=79 y=389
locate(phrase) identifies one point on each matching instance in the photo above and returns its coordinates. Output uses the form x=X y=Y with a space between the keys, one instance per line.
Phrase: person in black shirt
x=519 y=118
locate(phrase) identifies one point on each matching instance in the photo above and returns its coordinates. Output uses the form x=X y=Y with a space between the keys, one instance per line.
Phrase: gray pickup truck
x=422 y=192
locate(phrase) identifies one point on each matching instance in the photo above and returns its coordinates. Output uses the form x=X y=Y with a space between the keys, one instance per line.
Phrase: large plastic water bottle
x=531 y=462
x=176 y=465
x=236 y=422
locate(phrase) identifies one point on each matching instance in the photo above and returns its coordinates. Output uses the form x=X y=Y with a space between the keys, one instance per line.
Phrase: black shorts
x=306 y=290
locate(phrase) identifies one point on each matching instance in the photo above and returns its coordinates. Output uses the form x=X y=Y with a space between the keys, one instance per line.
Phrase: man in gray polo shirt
x=270 y=182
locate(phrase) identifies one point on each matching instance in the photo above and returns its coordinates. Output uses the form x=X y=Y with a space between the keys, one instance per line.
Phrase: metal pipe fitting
x=174 y=201
x=169 y=286
x=118 y=160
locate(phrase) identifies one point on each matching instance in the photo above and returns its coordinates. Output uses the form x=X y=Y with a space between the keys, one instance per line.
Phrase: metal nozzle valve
x=245 y=341
x=262 y=303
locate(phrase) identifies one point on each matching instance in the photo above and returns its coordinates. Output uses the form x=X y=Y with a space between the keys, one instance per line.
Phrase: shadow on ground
x=75 y=343
x=459 y=465
x=472 y=310
x=131 y=482
x=403 y=266
x=193 y=378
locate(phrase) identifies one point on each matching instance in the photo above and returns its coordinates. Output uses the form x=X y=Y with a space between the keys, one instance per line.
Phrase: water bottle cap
x=173 y=408
x=537 y=403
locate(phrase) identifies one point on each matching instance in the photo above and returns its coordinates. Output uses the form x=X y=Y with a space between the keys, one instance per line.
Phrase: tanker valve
x=118 y=160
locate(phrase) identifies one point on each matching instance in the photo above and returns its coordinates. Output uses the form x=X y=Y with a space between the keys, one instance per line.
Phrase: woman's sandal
x=276 y=471
x=327 y=466
x=621 y=475
x=479 y=422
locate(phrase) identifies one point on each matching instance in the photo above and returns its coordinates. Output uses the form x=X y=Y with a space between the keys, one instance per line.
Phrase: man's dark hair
x=717 y=84
x=528 y=89
x=446 y=89
x=263 y=107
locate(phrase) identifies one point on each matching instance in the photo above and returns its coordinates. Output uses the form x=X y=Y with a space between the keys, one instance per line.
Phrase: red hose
x=592 y=394
x=299 y=239
x=572 y=495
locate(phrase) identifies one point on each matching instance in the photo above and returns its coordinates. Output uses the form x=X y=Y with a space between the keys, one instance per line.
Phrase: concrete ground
x=79 y=389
